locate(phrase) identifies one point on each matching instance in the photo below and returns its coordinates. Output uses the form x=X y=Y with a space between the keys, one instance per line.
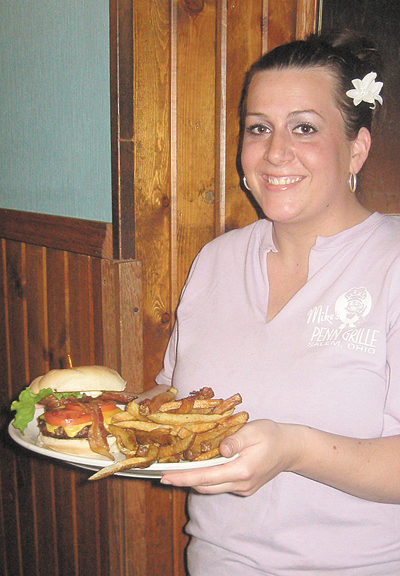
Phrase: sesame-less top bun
x=81 y=379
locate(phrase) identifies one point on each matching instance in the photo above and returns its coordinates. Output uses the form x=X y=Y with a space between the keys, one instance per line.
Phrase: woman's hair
x=346 y=55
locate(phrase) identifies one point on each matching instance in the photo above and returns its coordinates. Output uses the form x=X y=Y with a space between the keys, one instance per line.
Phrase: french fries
x=164 y=429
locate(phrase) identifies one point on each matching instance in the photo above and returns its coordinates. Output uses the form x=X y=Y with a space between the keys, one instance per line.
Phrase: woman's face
x=295 y=155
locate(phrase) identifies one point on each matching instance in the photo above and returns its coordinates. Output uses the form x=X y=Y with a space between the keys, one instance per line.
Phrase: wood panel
x=178 y=67
x=71 y=234
x=54 y=303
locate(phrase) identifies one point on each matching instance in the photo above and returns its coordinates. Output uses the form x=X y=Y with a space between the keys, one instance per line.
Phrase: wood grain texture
x=152 y=157
x=182 y=66
x=72 y=234
x=306 y=18
x=54 y=522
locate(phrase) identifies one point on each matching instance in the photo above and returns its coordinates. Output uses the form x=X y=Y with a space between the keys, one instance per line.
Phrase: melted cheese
x=72 y=431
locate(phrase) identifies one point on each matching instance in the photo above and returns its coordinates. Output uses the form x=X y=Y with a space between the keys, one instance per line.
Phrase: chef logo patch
x=343 y=324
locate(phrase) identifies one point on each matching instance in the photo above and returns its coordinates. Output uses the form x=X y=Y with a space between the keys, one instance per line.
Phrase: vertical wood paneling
x=5 y=360
x=121 y=76
x=54 y=521
x=4 y=397
x=91 y=528
x=177 y=70
x=242 y=50
x=134 y=536
x=41 y=470
x=36 y=299
x=221 y=58
x=307 y=18
x=26 y=514
x=131 y=323
x=18 y=513
x=152 y=152
x=158 y=529
x=180 y=539
x=282 y=16
x=57 y=312
x=45 y=518
x=196 y=122
x=11 y=556
x=80 y=311
x=16 y=282
x=64 y=481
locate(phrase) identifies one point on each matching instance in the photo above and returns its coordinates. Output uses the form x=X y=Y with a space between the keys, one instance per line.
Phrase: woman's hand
x=264 y=449
x=366 y=468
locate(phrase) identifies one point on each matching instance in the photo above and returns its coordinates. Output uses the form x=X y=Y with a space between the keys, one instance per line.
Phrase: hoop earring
x=353 y=182
x=245 y=183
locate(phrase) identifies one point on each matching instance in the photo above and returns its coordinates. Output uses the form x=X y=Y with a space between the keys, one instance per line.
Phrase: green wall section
x=55 y=151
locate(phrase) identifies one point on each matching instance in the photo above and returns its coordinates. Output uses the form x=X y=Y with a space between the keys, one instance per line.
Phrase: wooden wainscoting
x=56 y=301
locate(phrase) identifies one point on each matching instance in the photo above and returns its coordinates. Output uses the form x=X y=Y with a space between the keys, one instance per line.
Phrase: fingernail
x=165 y=481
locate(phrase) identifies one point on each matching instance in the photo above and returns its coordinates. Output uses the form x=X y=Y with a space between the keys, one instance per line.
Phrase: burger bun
x=86 y=379
x=76 y=446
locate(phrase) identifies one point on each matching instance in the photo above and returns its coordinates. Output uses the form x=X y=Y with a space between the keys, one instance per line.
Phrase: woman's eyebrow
x=290 y=115
x=309 y=111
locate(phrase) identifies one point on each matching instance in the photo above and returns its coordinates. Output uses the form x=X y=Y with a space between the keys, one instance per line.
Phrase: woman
x=300 y=313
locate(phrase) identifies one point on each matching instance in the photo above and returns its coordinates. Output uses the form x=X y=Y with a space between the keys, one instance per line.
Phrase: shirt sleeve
x=391 y=421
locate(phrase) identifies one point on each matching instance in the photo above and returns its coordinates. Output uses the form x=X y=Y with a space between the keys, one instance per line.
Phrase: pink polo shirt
x=330 y=360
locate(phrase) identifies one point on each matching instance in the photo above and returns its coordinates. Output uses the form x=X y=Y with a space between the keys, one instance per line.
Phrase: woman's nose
x=278 y=148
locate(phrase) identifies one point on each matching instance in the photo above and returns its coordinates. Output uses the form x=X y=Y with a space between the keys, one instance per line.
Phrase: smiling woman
x=277 y=311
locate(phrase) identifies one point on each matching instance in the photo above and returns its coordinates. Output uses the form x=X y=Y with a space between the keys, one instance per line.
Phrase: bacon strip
x=118 y=397
x=51 y=402
x=97 y=434
x=203 y=394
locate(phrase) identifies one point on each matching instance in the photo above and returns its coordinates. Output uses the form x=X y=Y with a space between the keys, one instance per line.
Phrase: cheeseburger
x=78 y=406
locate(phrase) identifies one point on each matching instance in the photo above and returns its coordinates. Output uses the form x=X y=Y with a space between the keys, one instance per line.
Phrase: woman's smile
x=281 y=181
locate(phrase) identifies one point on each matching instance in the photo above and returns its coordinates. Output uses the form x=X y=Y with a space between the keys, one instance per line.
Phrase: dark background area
x=379 y=182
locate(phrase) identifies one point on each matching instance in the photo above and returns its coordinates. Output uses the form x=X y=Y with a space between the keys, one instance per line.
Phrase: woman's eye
x=305 y=129
x=257 y=129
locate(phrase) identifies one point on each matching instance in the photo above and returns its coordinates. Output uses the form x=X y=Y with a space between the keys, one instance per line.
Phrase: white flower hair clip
x=366 y=90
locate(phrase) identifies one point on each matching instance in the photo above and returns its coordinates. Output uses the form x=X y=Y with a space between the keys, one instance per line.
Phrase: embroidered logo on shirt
x=342 y=326
x=352 y=306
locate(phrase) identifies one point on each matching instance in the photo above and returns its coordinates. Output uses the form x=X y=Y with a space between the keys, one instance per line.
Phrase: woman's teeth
x=284 y=181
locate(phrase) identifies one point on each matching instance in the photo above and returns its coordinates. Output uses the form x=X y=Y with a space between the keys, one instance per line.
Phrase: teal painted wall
x=55 y=151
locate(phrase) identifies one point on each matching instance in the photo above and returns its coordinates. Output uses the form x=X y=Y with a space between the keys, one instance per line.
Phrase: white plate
x=30 y=441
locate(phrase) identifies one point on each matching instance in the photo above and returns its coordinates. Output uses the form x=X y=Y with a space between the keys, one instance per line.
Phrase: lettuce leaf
x=25 y=405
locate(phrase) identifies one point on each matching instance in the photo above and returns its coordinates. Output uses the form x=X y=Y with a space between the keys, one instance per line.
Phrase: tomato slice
x=74 y=407
x=107 y=405
x=64 y=417
x=73 y=414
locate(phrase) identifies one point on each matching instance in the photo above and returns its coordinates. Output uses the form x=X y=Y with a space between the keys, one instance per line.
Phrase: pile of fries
x=166 y=430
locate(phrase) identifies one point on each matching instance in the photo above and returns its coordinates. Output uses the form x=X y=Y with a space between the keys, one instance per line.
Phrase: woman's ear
x=360 y=148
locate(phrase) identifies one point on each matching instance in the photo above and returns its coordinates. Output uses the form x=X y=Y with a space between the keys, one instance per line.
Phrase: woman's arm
x=368 y=469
